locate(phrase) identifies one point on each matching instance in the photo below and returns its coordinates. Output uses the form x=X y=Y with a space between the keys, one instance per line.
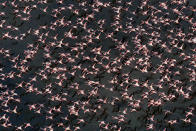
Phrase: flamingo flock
x=113 y=65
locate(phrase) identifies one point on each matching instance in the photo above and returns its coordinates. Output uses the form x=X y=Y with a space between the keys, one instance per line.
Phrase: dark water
x=97 y=65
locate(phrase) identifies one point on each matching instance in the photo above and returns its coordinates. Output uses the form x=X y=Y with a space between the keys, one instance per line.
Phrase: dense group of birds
x=97 y=65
